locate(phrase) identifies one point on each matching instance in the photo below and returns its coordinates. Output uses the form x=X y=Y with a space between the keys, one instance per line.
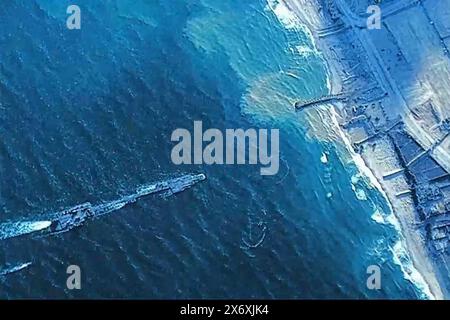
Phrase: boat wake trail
x=15 y=229
x=74 y=217
x=16 y=268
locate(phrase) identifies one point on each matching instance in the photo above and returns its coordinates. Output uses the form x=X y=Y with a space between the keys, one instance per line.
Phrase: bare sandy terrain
x=397 y=80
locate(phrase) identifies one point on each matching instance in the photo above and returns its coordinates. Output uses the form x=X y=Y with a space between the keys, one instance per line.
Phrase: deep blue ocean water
x=86 y=115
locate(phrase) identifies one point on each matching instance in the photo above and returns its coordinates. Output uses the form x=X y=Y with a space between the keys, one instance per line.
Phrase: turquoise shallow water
x=87 y=116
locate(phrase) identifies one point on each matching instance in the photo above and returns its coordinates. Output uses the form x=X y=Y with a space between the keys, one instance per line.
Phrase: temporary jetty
x=300 y=105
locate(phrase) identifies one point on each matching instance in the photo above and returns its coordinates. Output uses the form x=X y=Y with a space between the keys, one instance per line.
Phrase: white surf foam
x=400 y=255
x=287 y=18
x=324 y=158
x=377 y=216
x=402 y=259
x=292 y=22
x=399 y=252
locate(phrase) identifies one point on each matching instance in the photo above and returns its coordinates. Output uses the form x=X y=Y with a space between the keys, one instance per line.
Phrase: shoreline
x=423 y=268
x=419 y=257
x=427 y=286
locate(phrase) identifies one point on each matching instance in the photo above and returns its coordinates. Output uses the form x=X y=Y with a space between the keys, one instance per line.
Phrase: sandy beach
x=380 y=156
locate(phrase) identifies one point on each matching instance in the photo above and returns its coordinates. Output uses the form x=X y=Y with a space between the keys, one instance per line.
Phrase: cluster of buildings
x=397 y=108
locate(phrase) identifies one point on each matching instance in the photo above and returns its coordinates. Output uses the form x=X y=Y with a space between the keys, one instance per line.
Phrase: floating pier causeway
x=300 y=105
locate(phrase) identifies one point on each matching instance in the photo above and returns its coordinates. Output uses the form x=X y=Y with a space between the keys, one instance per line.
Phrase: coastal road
x=399 y=104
